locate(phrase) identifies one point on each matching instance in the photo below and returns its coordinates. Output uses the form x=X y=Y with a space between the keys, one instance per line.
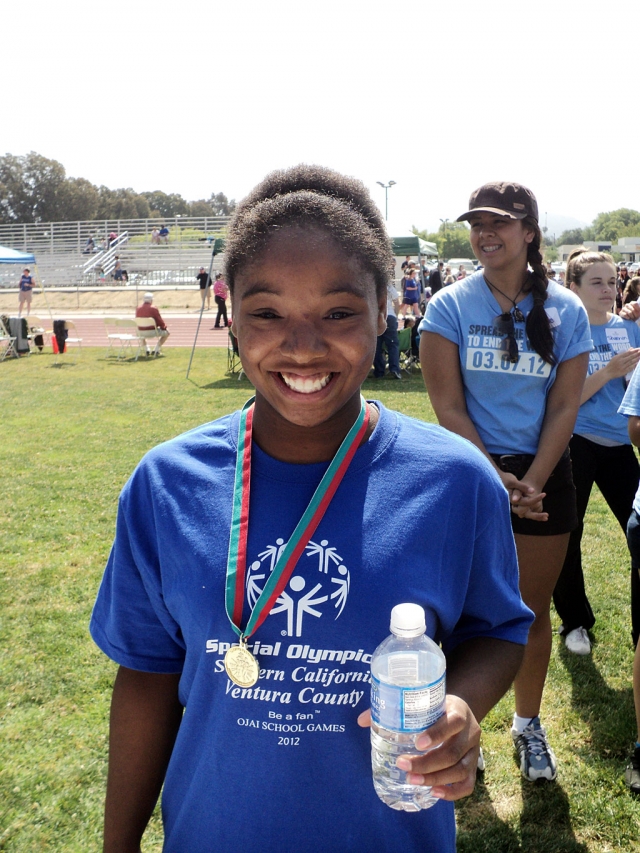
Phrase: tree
x=571 y=237
x=166 y=205
x=452 y=240
x=79 y=199
x=122 y=204
x=623 y=222
x=31 y=188
x=36 y=189
x=200 y=208
x=220 y=204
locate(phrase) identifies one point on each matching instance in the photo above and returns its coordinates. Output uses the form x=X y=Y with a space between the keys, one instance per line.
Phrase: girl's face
x=499 y=242
x=597 y=288
x=307 y=318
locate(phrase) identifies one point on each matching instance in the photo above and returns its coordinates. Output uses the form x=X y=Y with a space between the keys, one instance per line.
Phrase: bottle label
x=407 y=709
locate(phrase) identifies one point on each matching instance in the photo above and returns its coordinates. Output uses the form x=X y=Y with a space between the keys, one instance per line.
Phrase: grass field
x=71 y=436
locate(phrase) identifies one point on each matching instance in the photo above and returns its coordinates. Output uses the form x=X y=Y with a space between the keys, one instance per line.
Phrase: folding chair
x=36 y=329
x=118 y=336
x=234 y=365
x=72 y=339
x=7 y=342
x=407 y=358
x=146 y=333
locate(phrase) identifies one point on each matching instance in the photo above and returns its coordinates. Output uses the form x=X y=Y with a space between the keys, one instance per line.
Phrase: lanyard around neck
x=279 y=577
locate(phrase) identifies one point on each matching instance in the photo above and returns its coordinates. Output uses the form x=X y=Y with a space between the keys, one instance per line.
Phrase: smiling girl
x=601 y=450
x=504 y=354
x=256 y=562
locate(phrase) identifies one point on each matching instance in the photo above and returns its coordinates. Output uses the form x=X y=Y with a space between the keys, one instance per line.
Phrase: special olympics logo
x=302 y=597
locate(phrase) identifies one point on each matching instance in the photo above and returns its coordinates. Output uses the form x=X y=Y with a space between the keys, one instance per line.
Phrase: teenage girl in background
x=504 y=355
x=601 y=450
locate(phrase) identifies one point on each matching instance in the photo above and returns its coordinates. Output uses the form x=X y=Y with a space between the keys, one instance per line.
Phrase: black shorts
x=560 y=500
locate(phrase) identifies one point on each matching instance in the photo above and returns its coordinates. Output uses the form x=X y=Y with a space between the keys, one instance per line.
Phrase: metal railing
x=105 y=260
x=65 y=237
x=61 y=248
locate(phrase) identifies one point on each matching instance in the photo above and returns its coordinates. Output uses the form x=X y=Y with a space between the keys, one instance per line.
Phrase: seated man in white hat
x=147 y=310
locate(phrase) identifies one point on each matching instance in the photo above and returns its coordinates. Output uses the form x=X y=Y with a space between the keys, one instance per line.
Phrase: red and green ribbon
x=282 y=571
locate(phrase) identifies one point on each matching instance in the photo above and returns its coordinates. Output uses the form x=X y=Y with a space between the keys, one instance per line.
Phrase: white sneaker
x=578 y=642
x=481 y=765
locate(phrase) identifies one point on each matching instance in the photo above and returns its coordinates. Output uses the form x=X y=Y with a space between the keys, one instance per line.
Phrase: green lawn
x=71 y=436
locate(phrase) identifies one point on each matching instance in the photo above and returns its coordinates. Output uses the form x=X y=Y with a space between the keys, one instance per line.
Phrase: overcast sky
x=202 y=96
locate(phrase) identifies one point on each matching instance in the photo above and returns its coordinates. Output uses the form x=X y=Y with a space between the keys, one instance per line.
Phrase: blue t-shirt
x=26 y=283
x=599 y=415
x=505 y=401
x=630 y=407
x=283 y=765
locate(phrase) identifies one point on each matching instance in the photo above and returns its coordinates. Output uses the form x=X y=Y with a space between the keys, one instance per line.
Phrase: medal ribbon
x=283 y=569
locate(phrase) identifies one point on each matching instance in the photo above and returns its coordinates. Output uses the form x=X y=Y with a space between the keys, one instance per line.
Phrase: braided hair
x=538 y=326
x=309 y=197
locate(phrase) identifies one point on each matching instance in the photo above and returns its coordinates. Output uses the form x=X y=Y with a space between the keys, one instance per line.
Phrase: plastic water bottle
x=407 y=696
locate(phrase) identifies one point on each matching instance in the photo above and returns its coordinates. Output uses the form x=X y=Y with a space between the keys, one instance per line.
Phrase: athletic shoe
x=481 y=764
x=537 y=760
x=578 y=642
x=395 y=374
x=632 y=773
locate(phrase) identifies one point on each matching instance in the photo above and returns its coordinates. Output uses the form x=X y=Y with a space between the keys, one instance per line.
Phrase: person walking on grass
x=215 y=608
x=504 y=356
x=601 y=450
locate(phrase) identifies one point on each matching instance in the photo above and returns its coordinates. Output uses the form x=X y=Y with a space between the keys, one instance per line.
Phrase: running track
x=92 y=330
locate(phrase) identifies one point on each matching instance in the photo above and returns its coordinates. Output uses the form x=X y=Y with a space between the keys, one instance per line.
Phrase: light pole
x=385 y=187
x=444 y=225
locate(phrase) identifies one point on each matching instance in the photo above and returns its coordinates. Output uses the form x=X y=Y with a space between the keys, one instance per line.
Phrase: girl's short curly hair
x=308 y=196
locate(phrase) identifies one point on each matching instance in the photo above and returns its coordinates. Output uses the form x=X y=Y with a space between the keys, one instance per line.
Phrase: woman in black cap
x=504 y=355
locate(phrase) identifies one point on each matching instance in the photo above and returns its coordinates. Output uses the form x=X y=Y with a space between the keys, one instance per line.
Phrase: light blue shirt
x=630 y=407
x=505 y=401
x=599 y=415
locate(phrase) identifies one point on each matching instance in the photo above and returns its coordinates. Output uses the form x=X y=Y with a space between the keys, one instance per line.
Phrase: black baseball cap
x=504 y=198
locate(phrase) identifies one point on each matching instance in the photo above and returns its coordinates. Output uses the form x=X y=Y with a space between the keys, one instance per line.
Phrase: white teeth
x=490 y=248
x=305 y=384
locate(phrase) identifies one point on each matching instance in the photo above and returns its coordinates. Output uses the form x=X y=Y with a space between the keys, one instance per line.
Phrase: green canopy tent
x=414 y=245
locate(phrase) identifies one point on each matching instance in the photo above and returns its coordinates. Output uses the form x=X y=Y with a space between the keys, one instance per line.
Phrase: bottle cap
x=408 y=620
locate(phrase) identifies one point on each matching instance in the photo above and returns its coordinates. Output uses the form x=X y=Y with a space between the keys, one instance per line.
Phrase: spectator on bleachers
x=163 y=234
x=155 y=235
x=118 y=273
x=89 y=246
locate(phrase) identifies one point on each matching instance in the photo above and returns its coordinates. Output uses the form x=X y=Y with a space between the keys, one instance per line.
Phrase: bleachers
x=62 y=262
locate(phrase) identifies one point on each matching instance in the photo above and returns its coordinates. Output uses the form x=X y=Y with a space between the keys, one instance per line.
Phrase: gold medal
x=241 y=665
